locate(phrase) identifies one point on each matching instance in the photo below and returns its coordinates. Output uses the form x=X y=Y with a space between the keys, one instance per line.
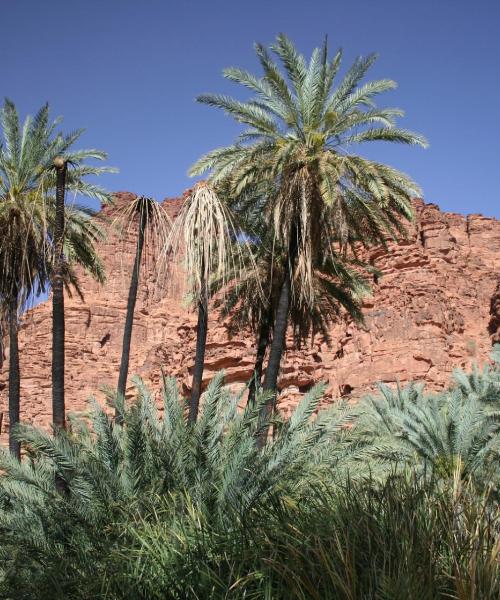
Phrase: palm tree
x=21 y=273
x=153 y=224
x=28 y=254
x=206 y=233
x=327 y=200
x=456 y=432
x=340 y=287
x=58 y=408
x=116 y=473
x=73 y=180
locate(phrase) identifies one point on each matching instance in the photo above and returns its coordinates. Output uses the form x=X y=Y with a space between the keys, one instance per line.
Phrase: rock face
x=435 y=307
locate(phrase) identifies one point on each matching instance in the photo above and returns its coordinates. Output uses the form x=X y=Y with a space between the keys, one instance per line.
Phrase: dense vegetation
x=333 y=505
x=215 y=496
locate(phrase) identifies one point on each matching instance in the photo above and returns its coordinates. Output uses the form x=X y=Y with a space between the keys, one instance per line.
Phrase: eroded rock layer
x=436 y=307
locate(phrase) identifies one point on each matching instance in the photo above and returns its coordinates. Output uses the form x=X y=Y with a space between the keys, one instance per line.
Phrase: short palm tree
x=115 y=473
x=302 y=130
x=155 y=508
x=216 y=460
x=206 y=234
x=153 y=227
x=31 y=256
x=450 y=433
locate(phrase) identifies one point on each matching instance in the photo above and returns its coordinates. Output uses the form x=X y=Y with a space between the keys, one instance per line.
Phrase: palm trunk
x=58 y=408
x=14 y=379
x=279 y=333
x=129 y=320
x=199 y=363
x=279 y=336
x=265 y=329
x=2 y=345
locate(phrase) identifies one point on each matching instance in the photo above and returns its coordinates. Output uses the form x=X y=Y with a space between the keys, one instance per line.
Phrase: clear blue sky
x=129 y=70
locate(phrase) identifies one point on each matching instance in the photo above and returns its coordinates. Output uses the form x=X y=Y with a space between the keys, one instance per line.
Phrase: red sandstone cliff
x=436 y=307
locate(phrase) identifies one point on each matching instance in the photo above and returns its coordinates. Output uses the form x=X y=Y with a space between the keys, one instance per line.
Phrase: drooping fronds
x=150 y=215
x=206 y=236
x=158 y=223
x=304 y=129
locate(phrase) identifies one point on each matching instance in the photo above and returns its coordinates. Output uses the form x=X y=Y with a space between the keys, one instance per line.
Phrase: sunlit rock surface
x=436 y=307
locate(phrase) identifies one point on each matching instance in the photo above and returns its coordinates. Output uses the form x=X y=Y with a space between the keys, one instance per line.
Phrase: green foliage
x=403 y=539
x=155 y=507
x=458 y=429
x=340 y=283
x=110 y=471
x=27 y=203
x=304 y=129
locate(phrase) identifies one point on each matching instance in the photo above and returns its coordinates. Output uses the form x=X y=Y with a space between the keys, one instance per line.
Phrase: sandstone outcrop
x=435 y=307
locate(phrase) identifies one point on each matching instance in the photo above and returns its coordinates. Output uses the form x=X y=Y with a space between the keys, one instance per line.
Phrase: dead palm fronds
x=205 y=234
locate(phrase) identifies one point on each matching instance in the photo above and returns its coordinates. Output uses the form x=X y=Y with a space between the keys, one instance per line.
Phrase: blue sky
x=128 y=71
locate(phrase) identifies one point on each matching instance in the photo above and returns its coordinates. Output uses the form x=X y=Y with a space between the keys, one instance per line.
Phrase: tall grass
x=404 y=539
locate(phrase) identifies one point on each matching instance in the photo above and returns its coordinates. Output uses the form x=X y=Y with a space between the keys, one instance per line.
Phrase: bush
x=58 y=542
x=404 y=539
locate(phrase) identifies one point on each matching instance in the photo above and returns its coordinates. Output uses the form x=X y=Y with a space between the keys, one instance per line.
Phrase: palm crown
x=27 y=205
x=301 y=126
x=449 y=433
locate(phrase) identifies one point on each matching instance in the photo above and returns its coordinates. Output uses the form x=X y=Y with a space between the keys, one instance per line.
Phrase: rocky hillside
x=436 y=307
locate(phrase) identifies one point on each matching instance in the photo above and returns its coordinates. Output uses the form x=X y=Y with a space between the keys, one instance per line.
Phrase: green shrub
x=113 y=473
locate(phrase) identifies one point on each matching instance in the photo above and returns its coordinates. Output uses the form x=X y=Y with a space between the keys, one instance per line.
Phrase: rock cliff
x=435 y=307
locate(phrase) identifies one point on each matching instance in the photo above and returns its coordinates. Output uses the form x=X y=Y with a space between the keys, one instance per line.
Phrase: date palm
x=451 y=433
x=340 y=286
x=153 y=227
x=29 y=259
x=302 y=132
x=205 y=232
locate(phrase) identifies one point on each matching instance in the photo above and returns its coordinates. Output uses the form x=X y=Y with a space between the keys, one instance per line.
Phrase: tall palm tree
x=302 y=131
x=28 y=254
x=71 y=179
x=58 y=324
x=153 y=224
x=205 y=232
x=340 y=287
